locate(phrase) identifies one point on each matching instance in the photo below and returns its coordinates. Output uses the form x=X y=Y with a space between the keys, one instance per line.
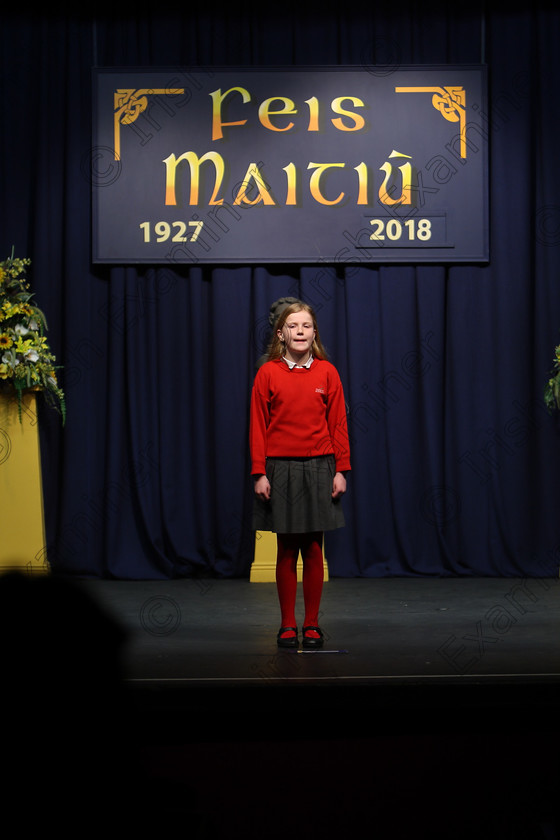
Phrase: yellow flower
x=23 y=346
x=4 y=371
x=5 y=341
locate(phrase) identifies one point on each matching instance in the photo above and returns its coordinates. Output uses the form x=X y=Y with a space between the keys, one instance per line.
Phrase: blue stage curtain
x=455 y=460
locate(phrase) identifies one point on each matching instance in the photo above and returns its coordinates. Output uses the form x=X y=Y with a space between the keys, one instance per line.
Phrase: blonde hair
x=276 y=348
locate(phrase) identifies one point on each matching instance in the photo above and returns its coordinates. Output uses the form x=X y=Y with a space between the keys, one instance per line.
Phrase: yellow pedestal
x=22 y=524
x=263 y=569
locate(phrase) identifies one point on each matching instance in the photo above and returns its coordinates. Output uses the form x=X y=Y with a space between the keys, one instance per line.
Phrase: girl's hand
x=262 y=488
x=338 y=486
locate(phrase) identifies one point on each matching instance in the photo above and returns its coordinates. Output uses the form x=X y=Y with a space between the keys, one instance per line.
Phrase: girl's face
x=297 y=334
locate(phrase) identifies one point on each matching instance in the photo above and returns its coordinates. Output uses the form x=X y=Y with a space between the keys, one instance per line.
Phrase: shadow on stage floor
x=432 y=710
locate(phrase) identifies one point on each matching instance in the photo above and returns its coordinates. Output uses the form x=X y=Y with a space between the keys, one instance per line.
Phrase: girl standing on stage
x=300 y=454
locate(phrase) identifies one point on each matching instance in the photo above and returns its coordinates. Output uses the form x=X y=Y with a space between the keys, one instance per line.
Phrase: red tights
x=289 y=547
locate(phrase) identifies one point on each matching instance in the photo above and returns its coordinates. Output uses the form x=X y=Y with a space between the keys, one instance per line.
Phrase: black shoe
x=311 y=641
x=288 y=641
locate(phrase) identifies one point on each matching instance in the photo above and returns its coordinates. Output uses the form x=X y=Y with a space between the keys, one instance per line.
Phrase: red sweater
x=298 y=413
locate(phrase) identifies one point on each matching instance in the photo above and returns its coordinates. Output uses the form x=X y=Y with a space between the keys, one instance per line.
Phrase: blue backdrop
x=455 y=458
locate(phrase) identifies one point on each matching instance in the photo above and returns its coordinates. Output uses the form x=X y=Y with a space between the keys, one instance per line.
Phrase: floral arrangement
x=552 y=387
x=26 y=362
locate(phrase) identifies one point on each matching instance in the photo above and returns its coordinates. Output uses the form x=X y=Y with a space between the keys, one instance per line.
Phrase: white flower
x=33 y=325
x=19 y=329
x=9 y=359
x=31 y=356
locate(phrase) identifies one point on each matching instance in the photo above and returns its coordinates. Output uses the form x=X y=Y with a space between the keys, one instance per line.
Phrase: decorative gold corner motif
x=129 y=104
x=450 y=102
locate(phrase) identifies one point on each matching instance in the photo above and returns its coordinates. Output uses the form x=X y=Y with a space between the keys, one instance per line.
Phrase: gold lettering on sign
x=387 y=188
x=194 y=162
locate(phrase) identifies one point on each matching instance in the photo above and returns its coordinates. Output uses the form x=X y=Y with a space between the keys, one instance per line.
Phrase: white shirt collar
x=292 y=365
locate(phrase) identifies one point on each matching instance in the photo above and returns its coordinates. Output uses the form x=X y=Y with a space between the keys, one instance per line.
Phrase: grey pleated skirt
x=300 y=498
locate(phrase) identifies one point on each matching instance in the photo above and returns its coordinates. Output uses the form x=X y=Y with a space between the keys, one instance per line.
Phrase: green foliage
x=552 y=387
x=26 y=361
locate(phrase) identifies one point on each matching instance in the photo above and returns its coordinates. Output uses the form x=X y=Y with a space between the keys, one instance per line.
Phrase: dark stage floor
x=205 y=632
x=387 y=641
x=432 y=712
